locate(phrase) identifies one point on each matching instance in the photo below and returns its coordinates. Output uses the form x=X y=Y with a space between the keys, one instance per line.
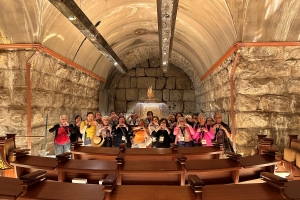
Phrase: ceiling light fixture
x=115 y=63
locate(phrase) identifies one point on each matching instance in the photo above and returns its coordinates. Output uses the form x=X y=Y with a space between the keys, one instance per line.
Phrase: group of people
x=111 y=131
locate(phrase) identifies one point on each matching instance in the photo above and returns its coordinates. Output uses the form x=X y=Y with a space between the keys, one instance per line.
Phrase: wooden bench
x=153 y=154
x=93 y=153
x=7 y=145
x=10 y=188
x=25 y=164
x=215 y=171
x=151 y=172
x=264 y=143
x=254 y=165
x=36 y=188
x=149 y=192
x=200 y=153
x=92 y=170
x=291 y=157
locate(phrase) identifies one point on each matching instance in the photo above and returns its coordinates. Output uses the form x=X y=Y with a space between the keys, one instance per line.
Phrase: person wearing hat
x=103 y=137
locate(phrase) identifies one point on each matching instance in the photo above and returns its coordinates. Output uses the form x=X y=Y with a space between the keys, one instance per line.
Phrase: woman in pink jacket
x=203 y=132
x=183 y=133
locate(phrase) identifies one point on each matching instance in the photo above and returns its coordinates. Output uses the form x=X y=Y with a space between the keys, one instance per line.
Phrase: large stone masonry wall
x=266 y=95
x=267 y=81
x=174 y=88
x=56 y=89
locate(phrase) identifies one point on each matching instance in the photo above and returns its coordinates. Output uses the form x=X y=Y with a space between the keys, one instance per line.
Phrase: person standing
x=98 y=117
x=76 y=128
x=183 y=133
x=113 y=119
x=149 y=118
x=105 y=131
x=141 y=137
x=88 y=129
x=163 y=135
x=203 y=133
x=222 y=133
x=62 y=136
x=122 y=133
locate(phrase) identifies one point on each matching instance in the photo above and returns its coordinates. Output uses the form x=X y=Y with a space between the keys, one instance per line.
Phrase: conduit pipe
x=232 y=114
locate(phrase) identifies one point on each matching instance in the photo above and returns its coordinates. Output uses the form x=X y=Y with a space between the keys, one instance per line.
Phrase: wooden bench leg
x=18 y=171
x=235 y=176
x=182 y=178
x=62 y=176
x=119 y=179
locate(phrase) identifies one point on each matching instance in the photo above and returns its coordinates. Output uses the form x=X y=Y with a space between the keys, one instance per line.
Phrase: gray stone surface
x=174 y=72
x=160 y=83
x=166 y=95
x=124 y=82
x=246 y=102
x=170 y=83
x=140 y=72
x=158 y=94
x=131 y=72
x=120 y=94
x=176 y=95
x=145 y=82
x=175 y=107
x=150 y=72
x=183 y=82
x=154 y=62
x=133 y=81
x=142 y=94
x=188 y=95
x=131 y=94
x=120 y=106
x=189 y=107
x=274 y=103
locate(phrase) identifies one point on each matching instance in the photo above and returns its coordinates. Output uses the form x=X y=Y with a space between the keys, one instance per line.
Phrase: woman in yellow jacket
x=88 y=129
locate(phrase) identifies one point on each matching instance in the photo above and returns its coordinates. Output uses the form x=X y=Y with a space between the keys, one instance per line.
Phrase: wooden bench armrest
x=76 y=144
x=109 y=183
x=181 y=158
x=233 y=156
x=120 y=159
x=196 y=183
x=270 y=152
x=273 y=180
x=32 y=179
x=174 y=146
x=64 y=157
x=20 y=152
x=122 y=146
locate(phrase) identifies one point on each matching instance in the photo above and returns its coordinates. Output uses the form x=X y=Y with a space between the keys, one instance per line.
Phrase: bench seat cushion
x=289 y=154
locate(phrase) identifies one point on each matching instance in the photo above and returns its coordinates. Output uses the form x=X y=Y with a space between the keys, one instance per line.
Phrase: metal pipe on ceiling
x=77 y=17
x=166 y=16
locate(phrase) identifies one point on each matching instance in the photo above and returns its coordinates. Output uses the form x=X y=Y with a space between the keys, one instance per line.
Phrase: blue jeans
x=185 y=144
x=59 y=149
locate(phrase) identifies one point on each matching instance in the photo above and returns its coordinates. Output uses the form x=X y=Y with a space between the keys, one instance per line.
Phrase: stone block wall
x=266 y=94
x=174 y=88
x=56 y=89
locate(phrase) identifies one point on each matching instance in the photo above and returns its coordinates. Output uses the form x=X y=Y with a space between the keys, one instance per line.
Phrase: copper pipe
x=28 y=98
x=219 y=62
x=232 y=116
x=52 y=53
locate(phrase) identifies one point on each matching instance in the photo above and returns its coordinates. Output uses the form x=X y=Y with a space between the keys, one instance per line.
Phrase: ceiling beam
x=77 y=17
x=166 y=16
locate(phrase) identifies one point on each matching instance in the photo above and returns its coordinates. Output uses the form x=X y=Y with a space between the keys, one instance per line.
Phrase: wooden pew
x=25 y=164
x=151 y=154
x=151 y=172
x=291 y=157
x=201 y=153
x=215 y=171
x=264 y=144
x=36 y=188
x=10 y=188
x=254 y=165
x=92 y=170
x=7 y=145
x=149 y=192
x=93 y=153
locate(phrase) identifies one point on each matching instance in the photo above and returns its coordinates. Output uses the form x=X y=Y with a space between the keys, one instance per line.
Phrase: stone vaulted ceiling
x=204 y=29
